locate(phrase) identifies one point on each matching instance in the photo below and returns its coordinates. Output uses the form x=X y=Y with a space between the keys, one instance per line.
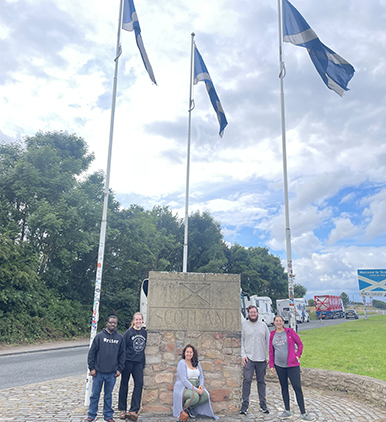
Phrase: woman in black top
x=135 y=342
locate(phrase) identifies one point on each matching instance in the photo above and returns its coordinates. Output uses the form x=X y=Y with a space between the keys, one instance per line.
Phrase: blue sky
x=57 y=71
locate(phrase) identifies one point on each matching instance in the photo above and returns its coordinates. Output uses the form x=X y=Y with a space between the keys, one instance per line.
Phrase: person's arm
x=243 y=352
x=121 y=358
x=144 y=355
x=91 y=357
x=200 y=389
x=299 y=343
x=271 y=351
x=266 y=339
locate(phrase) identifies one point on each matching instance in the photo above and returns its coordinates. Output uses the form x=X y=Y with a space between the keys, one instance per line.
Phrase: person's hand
x=272 y=370
x=117 y=374
x=93 y=373
x=245 y=360
x=200 y=390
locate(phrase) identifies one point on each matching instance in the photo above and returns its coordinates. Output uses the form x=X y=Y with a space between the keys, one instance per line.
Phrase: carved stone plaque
x=193 y=301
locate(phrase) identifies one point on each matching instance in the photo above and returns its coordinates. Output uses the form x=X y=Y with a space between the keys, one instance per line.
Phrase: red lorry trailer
x=328 y=306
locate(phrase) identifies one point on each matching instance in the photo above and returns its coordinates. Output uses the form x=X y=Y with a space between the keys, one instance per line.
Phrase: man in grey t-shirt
x=254 y=348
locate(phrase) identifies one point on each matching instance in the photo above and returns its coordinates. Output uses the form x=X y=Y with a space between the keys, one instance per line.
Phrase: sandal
x=122 y=414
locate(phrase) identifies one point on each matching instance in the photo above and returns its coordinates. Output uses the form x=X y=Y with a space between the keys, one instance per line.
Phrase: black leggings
x=293 y=373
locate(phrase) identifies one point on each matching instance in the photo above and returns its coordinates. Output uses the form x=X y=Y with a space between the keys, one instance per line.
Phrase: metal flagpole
x=292 y=321
x=191 y=107
x=101 y=251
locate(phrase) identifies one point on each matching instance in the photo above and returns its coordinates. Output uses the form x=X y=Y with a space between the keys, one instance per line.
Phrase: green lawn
x=357 y=347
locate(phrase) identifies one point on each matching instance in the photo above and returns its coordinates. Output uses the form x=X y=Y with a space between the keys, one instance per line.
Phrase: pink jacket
x=292 y=339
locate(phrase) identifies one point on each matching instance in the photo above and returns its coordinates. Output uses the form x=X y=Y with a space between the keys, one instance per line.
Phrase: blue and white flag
x=335 y=71
x=130 y=23
x=201 y=74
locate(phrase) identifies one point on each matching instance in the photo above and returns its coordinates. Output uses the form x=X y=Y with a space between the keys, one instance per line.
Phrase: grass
x=356 y=347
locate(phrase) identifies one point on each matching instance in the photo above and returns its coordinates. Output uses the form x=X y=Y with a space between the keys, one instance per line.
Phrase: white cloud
x=343 y=228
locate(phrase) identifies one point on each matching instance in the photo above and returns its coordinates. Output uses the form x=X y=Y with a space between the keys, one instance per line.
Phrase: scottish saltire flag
x=201 y=74
x=335 y=71
x=130 y=23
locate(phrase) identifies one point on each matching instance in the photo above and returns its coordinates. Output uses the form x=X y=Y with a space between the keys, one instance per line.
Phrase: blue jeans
x=97 y=383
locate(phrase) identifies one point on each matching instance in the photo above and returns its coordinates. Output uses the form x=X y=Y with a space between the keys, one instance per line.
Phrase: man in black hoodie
x=106 y=360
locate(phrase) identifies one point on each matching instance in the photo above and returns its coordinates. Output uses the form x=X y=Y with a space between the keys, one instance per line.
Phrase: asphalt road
x=30 y=368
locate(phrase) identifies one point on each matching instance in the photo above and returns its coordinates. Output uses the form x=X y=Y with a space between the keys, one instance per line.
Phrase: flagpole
x=101 y=251
x=191 y=107
x=282 y=73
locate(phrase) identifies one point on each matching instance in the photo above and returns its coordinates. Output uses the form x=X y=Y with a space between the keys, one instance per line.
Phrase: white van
x=143 y=299
x=301 y=313
x=300 y=305
x=264 y=306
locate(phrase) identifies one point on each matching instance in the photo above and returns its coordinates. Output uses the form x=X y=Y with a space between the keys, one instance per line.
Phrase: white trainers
x=285 y=414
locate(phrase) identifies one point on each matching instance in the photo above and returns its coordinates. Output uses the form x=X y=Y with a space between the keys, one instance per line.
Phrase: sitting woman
x=189 y=391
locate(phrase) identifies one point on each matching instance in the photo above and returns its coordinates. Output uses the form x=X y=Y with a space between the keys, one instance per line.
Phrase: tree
x=299 y=290
x=311 y=302
x=379 y=304
x=261 y=272
x=345 y=298
x=206 y=247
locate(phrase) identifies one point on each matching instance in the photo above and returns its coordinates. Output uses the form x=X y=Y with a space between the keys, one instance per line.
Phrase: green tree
x=345 y=298
x=299 y=290
x=379 y=304
x=311 y=302
x=206 y=246
x=261 y=272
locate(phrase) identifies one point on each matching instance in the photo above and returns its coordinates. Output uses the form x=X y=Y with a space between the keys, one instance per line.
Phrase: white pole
x=292 y=321
x=98 y=282
x=191 y=107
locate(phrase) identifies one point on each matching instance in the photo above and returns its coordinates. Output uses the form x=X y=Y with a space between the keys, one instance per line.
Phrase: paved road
x=23 y=369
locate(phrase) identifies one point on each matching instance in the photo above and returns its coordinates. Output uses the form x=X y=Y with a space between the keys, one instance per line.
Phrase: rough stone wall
x=365 y=388
x=219 y=355
x=198 y=309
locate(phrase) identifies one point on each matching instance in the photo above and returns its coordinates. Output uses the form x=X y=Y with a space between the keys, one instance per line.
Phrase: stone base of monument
x=198 y=309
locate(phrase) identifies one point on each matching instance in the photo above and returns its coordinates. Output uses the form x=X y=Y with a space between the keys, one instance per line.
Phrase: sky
x=57 y=70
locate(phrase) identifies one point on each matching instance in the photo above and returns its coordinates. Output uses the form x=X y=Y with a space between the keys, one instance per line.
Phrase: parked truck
x=301 y=314
x=328 y=306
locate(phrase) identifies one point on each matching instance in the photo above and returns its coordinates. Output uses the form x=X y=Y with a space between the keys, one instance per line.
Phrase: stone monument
x=198 y=309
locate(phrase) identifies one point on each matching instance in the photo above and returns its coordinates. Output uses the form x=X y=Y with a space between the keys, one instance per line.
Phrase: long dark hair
x=195 y=355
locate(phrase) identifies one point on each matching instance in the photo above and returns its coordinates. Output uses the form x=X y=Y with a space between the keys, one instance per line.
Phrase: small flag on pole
x=201 y=74
x=335 y=71
x=130 y=23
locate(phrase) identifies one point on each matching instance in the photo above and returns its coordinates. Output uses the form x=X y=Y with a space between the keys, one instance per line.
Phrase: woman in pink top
x=285 y=349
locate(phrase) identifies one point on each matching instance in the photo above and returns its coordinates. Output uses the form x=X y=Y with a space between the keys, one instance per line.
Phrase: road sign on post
x=372 y=282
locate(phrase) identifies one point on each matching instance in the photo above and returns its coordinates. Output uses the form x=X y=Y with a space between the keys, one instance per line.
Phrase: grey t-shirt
x=279 y=343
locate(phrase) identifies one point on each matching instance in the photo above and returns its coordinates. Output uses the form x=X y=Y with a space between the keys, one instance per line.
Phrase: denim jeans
x=109 y=381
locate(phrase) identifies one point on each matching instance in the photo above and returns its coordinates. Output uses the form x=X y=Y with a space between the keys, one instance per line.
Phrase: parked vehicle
x=351 y=313
x=300 y=305
x=328 y=306
x=283 y=309
x=263 y=305
x=143 y=299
